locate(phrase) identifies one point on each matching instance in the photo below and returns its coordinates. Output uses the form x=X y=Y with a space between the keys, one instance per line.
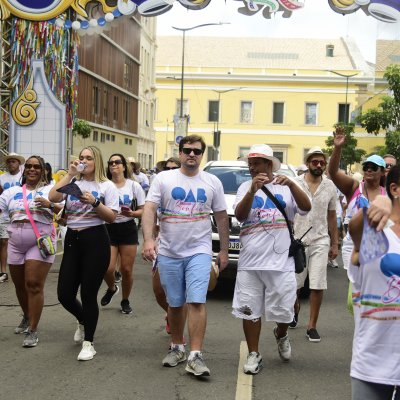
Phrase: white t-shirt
x=127 y=193
x=12 y=204
x=376 y=349
x=185 y=205
x=142 y=179
x=80 y=215
x=8 y=181
x=264 y=234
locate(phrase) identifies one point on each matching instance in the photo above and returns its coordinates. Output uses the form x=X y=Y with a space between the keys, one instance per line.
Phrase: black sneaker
x=126 y=307
x=117 y=277
x=106 y=299
x=313 y=335
x=294 y=323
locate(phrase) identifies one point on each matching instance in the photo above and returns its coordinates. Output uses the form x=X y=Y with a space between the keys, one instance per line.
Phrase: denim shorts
x=185 y=280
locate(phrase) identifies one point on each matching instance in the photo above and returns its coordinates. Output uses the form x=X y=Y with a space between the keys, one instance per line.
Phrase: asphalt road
x=130 y=350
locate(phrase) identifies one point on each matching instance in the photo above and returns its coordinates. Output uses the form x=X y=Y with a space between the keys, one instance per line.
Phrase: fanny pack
x=44 y=243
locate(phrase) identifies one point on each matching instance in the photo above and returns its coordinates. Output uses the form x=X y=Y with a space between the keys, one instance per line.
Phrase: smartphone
x=125 y=208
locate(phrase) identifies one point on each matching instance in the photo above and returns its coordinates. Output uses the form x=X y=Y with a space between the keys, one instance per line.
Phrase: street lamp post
x=346 y=116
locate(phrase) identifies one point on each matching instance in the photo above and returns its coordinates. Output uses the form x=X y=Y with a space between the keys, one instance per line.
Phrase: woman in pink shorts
x=27 y=266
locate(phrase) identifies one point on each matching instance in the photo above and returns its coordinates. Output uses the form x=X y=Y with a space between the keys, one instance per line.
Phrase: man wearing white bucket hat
x=9 y=179
x=322 y=221
x=265 y=282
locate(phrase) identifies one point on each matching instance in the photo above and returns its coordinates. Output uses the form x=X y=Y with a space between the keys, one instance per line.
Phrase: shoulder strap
x=28 y=213
x=281 y=209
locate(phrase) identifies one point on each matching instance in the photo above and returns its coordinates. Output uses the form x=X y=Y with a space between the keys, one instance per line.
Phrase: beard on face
x=316 y=171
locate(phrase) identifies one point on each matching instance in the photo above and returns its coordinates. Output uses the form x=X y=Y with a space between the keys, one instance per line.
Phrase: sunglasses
x=34 y=166
x=114 y=162
x=372 y=167
x=169 y=168
x=388 y=166
x=315 y=163
x=188 y=150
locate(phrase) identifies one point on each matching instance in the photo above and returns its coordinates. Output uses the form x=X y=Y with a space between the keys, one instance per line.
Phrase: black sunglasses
x=188 y=150
x=370 y=166
x=169 y=168
x=388 y=166
x=34 y=166
x=116 y=162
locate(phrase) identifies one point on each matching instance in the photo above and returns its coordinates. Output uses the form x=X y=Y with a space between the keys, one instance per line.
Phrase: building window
x=113 y=138
x=246 y=112
x=96 y=100
x=103 y=137
x=105 y=105
x=95 y=136
x=343 y=113
x=128 y=74
x=311 y=114
x=128 y=141
x=108 y=137
x=115 y=115
x=213 y=111
x=185 y=107
x=277 y=114
x=126 y=111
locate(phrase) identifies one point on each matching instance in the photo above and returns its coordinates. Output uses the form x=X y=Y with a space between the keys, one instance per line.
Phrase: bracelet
x=96 y=203
x=250 y=192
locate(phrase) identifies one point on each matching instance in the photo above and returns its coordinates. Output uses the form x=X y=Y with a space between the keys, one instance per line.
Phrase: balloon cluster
x=383 y=10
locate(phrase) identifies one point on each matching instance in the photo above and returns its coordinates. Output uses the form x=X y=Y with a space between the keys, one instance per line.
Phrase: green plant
x=81 y=128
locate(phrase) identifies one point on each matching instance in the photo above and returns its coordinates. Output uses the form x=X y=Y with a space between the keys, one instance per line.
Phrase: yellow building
x=287 y=93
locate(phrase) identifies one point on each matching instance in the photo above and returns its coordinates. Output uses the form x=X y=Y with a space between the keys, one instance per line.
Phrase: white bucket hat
x=15 y=156
x=314 y=150
x=263 y=151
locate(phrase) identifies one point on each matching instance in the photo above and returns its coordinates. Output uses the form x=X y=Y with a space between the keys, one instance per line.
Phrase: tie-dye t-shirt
x=185 y=205
x=376 y=349
x=81 y=215
x=131 y=190
x=8 y=181
x=12 y=204
x=264 y=234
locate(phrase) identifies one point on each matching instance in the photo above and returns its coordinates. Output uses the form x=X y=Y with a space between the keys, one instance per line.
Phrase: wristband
x=250 y=192
x=96 y=203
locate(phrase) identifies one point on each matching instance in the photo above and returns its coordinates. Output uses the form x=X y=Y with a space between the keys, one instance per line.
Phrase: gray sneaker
x=197 y=366
x=31 y=339
x=174 y=357
x=23 y=327
x=284 y=347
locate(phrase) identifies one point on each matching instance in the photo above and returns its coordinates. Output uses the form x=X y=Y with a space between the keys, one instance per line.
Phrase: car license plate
x=234 y=245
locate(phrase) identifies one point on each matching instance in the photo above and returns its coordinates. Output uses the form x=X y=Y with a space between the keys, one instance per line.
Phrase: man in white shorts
x=322 y=245
x=265 y=282
x=9 y=179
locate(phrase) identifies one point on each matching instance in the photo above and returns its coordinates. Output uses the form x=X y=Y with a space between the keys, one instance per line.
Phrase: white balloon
x=109 y=17
x=126 y=7
x=76 y=25
x=93 y=23
x=59 y=22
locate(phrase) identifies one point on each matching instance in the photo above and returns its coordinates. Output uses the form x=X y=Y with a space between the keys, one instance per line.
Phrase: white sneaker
x=87 y=352
x=284 y=347
x=79 y=336
x=253 y=364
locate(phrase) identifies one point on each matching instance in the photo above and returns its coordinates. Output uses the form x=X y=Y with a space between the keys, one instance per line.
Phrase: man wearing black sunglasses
x=390 y=162
x=322 y=240
x=186 y=197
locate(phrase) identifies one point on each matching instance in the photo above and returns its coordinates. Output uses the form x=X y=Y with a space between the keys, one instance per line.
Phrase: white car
x=232 y=174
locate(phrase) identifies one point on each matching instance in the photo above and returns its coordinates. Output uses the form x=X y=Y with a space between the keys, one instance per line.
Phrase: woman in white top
x=123 y=232
x=87 y=245
x=375 y=366
x=28 y=268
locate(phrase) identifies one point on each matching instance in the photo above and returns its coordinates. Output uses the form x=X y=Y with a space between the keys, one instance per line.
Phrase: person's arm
x=300 y=196
x=104 y=212
x=221 y=218
x=333 y=231
x=346 y=184
x=149 y=250
x=57 y=197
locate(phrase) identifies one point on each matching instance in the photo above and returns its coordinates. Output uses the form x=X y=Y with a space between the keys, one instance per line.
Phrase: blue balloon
x=68 y=24
x=390 y=264
x=116 y=13
x=101 y=21
x=84 y=24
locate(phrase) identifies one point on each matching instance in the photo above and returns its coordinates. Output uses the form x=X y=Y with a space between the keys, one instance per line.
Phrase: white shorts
x=347 y=249
x=317 y=261
x=272 y=293
x=3 y=230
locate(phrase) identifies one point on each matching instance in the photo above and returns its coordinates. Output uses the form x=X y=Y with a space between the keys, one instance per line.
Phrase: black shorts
x=123 y=233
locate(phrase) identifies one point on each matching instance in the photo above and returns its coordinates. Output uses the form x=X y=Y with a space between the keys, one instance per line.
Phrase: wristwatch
x=51 y=206
x=96 y=203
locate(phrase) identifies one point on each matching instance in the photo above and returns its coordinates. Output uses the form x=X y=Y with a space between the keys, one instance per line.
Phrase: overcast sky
x=316 y=19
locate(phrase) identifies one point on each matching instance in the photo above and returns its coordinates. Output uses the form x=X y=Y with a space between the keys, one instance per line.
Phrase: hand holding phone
x=125 y=209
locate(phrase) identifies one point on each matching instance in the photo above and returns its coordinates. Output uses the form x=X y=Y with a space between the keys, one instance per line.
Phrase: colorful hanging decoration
x=270 y=7
x=58 y=48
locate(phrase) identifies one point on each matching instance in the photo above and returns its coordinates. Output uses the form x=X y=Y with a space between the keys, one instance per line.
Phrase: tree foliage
x=387 y=115
x=81 y=128
x=350 y=153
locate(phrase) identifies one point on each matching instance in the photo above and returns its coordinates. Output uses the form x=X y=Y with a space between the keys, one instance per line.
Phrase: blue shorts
x=185 y=280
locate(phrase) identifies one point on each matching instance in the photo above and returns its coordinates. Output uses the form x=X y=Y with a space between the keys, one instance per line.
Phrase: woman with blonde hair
x=87 y=245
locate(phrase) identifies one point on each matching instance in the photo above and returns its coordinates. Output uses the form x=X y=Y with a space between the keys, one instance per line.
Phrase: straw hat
x=263 y=151
x=316 y=150
x=14 y=156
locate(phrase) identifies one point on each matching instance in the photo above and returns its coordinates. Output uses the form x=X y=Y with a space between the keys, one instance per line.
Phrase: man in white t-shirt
x=186 y=196
x=265 y=282
x=9 y=179
x=322 y=236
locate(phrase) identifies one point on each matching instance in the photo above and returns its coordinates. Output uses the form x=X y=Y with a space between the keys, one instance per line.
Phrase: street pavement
x=130 y=350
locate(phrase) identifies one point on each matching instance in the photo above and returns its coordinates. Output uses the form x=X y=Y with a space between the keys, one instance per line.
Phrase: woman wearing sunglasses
x=123 y=231
x=87 y=245
x=358 y=194
x=28 y=267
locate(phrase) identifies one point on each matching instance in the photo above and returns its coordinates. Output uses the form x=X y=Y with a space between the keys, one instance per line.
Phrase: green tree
x=350 y=153
x=387 y=115
x=81 y=128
